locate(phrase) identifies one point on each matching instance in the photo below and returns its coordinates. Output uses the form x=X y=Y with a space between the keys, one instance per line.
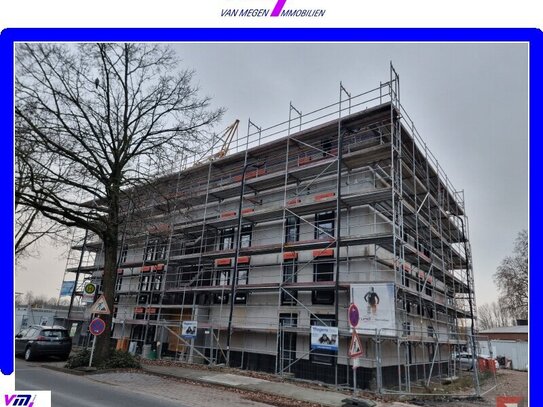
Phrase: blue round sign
x=97 y=326
x=354 y=315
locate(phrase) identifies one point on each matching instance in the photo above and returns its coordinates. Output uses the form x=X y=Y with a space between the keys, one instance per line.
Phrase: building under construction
x=343 y=205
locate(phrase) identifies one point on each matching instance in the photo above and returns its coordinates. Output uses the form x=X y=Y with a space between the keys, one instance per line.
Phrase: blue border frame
x=533 y=36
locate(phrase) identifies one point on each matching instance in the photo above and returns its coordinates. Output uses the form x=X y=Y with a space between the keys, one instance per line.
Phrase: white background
x=339 y=13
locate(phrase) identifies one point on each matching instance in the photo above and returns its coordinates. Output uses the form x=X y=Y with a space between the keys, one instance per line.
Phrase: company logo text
x=20 y=400
x=278 y=11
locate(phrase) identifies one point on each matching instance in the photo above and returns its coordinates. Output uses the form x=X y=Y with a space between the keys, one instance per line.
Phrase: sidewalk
x=325 y=398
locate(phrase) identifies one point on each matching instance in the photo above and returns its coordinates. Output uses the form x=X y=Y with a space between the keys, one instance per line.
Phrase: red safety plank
x=323 y=253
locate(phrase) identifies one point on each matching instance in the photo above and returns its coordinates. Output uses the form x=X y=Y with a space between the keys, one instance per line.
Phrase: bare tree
x=30 y=225
x=100 y=117
x=29 y=298
x=511 y=278
x=39 y=301
x=493 y=315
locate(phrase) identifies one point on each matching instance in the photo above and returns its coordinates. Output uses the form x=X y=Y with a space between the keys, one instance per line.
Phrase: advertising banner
x=67 y=288
x=376 y=305
x=188 y=330
x=324 y=337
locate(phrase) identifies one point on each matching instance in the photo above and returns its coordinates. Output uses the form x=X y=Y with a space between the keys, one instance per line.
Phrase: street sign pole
x=356 y=364
x=96 y=327
x=92 y=350
x=354 y=318
x=354 y=378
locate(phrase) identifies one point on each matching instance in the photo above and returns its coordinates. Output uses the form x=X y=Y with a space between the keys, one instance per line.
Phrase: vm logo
x=278 y=7
x=19 y=400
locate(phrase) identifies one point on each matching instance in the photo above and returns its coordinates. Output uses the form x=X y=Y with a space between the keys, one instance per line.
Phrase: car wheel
x=29 y=355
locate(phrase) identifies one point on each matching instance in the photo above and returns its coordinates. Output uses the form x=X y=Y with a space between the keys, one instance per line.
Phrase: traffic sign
x=89 y=289
x=100 y=306
x=88 y=292
x=355 y=348
x=97 y=326
x=356 y=363
x=354 y=315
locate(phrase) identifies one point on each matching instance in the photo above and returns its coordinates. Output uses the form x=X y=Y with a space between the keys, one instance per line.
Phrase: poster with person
x=324 y=337
x=375 y=302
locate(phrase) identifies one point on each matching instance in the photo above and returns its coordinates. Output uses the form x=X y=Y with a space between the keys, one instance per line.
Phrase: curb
x=65 y=370
x=77 y=372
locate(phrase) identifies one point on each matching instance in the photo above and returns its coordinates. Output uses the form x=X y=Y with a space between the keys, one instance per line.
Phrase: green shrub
x=121 y=360
x=117 y=360
x=81 y=358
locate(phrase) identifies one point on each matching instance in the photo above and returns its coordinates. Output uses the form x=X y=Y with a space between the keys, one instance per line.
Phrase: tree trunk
x=103 y=341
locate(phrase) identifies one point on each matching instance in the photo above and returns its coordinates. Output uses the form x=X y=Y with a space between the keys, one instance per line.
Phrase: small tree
x=99 y=117
x=511 y=278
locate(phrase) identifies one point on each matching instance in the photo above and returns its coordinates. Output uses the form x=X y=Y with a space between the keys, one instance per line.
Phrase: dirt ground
x=510 y=383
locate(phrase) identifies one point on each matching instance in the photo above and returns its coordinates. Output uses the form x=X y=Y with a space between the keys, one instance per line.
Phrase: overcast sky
x=468 y=101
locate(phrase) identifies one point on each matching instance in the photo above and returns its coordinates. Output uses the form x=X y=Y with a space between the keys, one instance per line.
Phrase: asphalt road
x=122 y=388
x=68 y=390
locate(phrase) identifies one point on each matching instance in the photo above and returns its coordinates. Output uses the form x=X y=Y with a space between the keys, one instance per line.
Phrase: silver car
x=464 y=360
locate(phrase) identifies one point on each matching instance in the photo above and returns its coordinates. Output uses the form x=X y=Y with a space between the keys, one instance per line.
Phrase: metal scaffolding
x=262 y=243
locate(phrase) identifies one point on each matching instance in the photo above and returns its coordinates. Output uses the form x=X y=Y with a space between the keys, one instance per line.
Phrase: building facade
x=339 y=206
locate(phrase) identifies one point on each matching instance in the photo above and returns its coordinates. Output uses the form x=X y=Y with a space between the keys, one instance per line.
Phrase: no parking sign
x=97 y=326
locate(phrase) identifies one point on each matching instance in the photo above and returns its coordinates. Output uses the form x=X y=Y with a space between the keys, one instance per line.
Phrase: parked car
x=43 y=341
x=464 y=360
